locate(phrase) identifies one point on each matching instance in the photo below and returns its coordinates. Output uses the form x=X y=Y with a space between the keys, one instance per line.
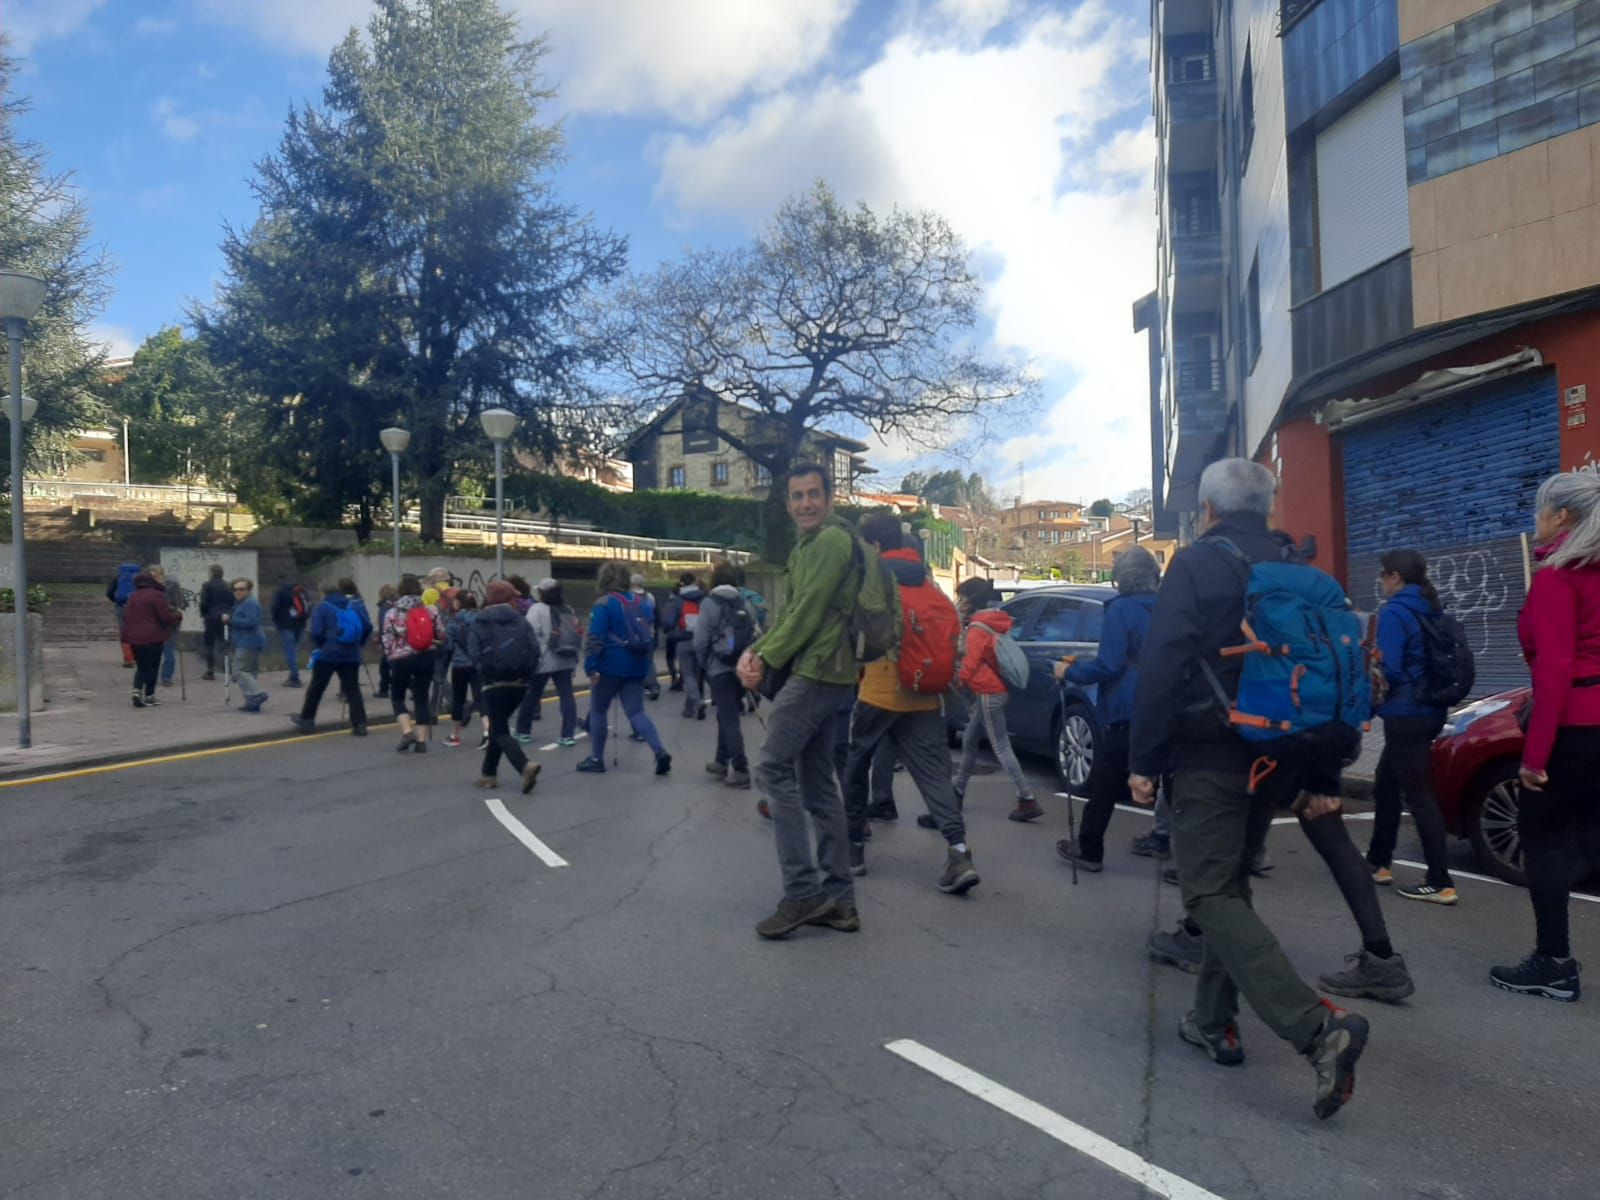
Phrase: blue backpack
x=350 y=631
x=639 y=634
x=1304 y=677
x=125 y=575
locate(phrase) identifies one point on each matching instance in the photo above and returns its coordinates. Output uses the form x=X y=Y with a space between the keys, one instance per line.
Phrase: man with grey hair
x=1219 y=819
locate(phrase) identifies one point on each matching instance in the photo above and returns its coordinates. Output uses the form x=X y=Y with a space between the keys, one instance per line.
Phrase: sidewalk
x=89 y=718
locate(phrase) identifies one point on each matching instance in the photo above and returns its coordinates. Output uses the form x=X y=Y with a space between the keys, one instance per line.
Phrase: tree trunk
x=432 y=503
x=776 y=529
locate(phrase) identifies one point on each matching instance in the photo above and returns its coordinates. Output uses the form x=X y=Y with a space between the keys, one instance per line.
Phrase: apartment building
x=1379 y=252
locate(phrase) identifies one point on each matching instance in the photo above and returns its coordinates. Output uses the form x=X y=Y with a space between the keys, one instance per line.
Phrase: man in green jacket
x=795 y=773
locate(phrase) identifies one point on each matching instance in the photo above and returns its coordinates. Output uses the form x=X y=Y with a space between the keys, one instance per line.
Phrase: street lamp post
x=499 y=424
x=395 y=440
x=20 y=298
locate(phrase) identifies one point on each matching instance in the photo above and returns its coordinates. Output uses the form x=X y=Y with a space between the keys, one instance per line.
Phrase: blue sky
x=1025 y=122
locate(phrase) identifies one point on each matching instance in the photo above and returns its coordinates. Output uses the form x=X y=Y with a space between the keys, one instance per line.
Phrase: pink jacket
x=980 y=673
x=1559 y=629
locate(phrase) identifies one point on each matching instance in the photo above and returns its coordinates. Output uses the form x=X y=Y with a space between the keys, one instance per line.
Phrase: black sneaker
x=592 y=766
x=663 y=763
x=926 y=821
x=1072 y=852
x=1223 y=1046
x=1170 y=875
x=1333 y=1054
x=1540 y=975
x=1429 y=894
x=842 y=916
x=792 y=914
x=302 y=723
x=1151 y=846
x=1371 y=978
x=959 y=876
x=1180 y=949
x=858 y=858
x=883 y=810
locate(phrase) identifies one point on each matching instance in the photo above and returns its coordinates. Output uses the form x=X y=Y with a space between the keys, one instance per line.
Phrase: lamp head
x=498 y=423
x=29 y=407
x=394 y=439
x=21 y=295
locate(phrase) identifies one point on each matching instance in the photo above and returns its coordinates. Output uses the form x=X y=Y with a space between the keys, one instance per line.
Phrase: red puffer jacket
x=980 y=673
x=1559 y=628
x=148 y=618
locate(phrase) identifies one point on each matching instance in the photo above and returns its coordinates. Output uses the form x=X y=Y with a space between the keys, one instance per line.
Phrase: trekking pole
x=227 y=662
x=183 y=674
x=1072 y=806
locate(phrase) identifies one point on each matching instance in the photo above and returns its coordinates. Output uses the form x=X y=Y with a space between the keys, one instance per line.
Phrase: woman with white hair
x=1115 y=672
x=1559 y=628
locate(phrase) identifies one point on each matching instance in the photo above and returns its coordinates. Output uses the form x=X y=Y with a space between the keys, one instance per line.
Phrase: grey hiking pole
x=227 y=662
x=183 y=674
x=1072 y=805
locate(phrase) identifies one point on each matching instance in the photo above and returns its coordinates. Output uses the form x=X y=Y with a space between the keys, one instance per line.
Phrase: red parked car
x=1475 y=761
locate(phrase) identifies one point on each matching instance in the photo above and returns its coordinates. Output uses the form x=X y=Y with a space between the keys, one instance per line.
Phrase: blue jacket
x=1404 y=660
x=608 y=652
x=245 y=625
x=1115 y=669
x=456 y=629
x=325 y=630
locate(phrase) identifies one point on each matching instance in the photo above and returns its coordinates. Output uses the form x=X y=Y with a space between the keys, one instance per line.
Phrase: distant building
x=694 y=444
x=1033 y=530
x=900 y=502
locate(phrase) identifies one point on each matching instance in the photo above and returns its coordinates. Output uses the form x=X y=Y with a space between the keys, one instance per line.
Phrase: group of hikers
x=1232 y=688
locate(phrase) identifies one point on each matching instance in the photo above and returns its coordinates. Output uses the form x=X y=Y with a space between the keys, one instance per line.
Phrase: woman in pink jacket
x=1560 y=633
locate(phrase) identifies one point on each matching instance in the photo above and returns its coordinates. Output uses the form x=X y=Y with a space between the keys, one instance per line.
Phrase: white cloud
x=29 y=22
x=155 y=26
x=974 y=18
x=119 y=341
x=687 y=58
x=1025 y=147
x=164 y=112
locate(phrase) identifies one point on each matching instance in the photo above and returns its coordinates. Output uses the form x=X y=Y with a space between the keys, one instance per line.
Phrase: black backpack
x=736 y=630
x=505 y=650
x=1448 y=671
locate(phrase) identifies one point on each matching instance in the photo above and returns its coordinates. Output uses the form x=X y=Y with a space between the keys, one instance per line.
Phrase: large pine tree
x=411 y=265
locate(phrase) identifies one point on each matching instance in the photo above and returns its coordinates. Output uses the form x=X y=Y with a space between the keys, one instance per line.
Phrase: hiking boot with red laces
x=1222 y=1045
x=1333 y=1054
x=1026 y=810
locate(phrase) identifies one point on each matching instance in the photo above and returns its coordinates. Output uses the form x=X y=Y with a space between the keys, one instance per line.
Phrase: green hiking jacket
x=810 y=632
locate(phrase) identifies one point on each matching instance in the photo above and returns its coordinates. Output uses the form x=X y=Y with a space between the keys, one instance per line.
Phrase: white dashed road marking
x=520 y=831
x=1124 y=1162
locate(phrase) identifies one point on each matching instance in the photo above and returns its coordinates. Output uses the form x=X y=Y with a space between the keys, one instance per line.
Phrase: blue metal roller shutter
x=1456 y=479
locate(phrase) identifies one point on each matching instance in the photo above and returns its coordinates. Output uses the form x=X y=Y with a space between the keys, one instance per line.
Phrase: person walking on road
x=216 y=602
x=912 y=722
x=808 y=644
x=980 y=676
x=148 y=622
x=339 y=629
x=618 y=657
x=1219 y=819
x=118 y=591
x=652 y=681
x=726 y=629
x=386 y=599
x=178 y=603
x=1559 y=629
x=412 y=633
x=1114 y=672
x=248 y=639
x=1410 y=724
x=290 y=612
x=667 y=614
x=465 y=681
x=690 y=597
x=501 y=645
x=558 y=636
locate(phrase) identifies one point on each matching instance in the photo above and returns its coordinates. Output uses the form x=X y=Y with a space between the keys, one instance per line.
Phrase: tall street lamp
x=395 y=440
x=20 y=298
x=499 y=424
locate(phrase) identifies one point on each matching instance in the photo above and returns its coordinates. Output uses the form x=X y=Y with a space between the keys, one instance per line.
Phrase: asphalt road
x=319 y=969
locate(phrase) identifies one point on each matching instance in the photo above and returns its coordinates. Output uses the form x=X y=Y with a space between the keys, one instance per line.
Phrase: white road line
x=556 y=745
x=1123 y=1161
x=520 y=831
x=1405 y=862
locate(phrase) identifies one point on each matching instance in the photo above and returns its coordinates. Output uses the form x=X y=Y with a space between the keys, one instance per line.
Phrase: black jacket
x=216 y=599
x=500 y=644
x=283 y=614
x=1178 y=721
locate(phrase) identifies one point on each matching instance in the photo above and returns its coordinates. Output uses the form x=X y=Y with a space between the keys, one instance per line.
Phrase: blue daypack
x=349 y=631
x=1305 y=676
x=639 y=634
x=125 y=576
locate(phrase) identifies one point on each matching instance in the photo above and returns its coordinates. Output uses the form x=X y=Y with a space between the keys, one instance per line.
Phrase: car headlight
x=1460 y=720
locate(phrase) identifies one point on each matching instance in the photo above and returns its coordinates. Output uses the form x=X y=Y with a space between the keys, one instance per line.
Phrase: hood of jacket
x=496 y=614
x=145 y=580
x=1411 y=597
x=995 y=619
x=691 y=592
x=906 y=566
x=405 y=602
x=726 y=592
x=337 y=599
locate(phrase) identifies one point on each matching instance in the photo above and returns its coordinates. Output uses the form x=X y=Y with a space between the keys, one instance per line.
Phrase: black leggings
x=499 y=703
x=1406 y=772
x=146 y=666
x=414 y=673
x=1569 y=803
x=462 y=679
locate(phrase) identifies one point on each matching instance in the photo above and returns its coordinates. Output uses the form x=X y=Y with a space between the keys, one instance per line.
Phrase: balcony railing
x=1290 y=11
x=1193 y=101
x=1199 y=375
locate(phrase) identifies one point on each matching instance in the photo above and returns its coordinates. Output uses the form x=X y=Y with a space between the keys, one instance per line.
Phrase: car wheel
x=1492 y=827
x=1075 y=743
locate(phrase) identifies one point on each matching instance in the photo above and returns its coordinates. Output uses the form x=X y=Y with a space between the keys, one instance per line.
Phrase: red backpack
x=420 y=628
x=930 y=630
x=688 y=615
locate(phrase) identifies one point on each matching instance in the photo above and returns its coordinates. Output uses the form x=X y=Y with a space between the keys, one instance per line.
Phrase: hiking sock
x=959 y=847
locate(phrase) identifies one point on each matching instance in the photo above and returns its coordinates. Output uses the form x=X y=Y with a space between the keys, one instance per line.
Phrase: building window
x=675 y=478
x=1252 y=313
x=763 y=475
x=719 y=474
x=842 y=477
x=1247 y=111
x=98 y=456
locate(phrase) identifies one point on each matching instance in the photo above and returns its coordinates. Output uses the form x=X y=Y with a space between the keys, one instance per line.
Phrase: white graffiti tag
x=1472 y=589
